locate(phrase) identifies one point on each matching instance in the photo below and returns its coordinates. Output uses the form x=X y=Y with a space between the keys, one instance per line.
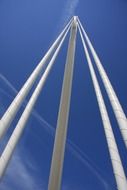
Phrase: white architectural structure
x=8 y=151
x=57 y=163
x=17 y=102
x=117 y=108
x=62 y=123
x=112 y=146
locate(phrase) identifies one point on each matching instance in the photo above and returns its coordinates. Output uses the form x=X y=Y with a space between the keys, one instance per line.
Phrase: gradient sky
x=27 y=30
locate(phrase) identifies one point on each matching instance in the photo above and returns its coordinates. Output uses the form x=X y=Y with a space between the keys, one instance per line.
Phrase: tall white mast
x=9 y=149
x=112 y=146
x=117 y=108
x=17 y=102
x=62 y=123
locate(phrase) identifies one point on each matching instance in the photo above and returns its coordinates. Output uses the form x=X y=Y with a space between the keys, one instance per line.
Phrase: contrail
x=70 y=9
x=84 y=159
x=8 y=83
x=74 y=149
x=68 y=12
x=34 y=112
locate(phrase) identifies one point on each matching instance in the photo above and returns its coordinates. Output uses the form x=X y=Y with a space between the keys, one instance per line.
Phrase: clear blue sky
x=27 y=30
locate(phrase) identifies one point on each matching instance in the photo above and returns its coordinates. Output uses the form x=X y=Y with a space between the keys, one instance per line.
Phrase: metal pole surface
x=17 y=102
x=10 y=147
x=117 y=108
x=112 y=146
x=62 y=122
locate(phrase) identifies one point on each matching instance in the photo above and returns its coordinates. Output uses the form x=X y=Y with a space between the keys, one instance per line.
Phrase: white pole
x=112 y=146
x=62 y=122
x=8 y=151
x=117 y=108
x=17 y=102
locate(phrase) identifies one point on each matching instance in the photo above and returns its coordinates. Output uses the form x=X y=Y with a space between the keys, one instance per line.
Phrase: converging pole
x=112 y=146
x=62 y=123
x=9 y=149
x=17 y=102
x=117 y=108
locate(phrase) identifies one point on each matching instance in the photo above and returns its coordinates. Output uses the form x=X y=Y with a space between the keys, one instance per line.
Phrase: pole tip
x=75 y=21
x=75 y=18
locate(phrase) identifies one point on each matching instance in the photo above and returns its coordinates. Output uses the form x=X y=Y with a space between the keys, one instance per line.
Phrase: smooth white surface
x=17 y=102
x=62 y=122
x=117 y=108
x=112 y=146
x=8 y=151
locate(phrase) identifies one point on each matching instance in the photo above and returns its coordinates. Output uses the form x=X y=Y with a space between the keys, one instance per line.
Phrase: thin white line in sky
x=69 y=11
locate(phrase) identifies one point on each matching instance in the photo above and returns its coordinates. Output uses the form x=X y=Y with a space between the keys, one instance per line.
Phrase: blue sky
x=27 y=30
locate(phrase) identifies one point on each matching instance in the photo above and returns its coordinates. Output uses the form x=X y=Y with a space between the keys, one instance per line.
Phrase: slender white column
x=8 y=151
x=112 y=146
x=117 y=108
x=62 y=123
x=17 y=102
